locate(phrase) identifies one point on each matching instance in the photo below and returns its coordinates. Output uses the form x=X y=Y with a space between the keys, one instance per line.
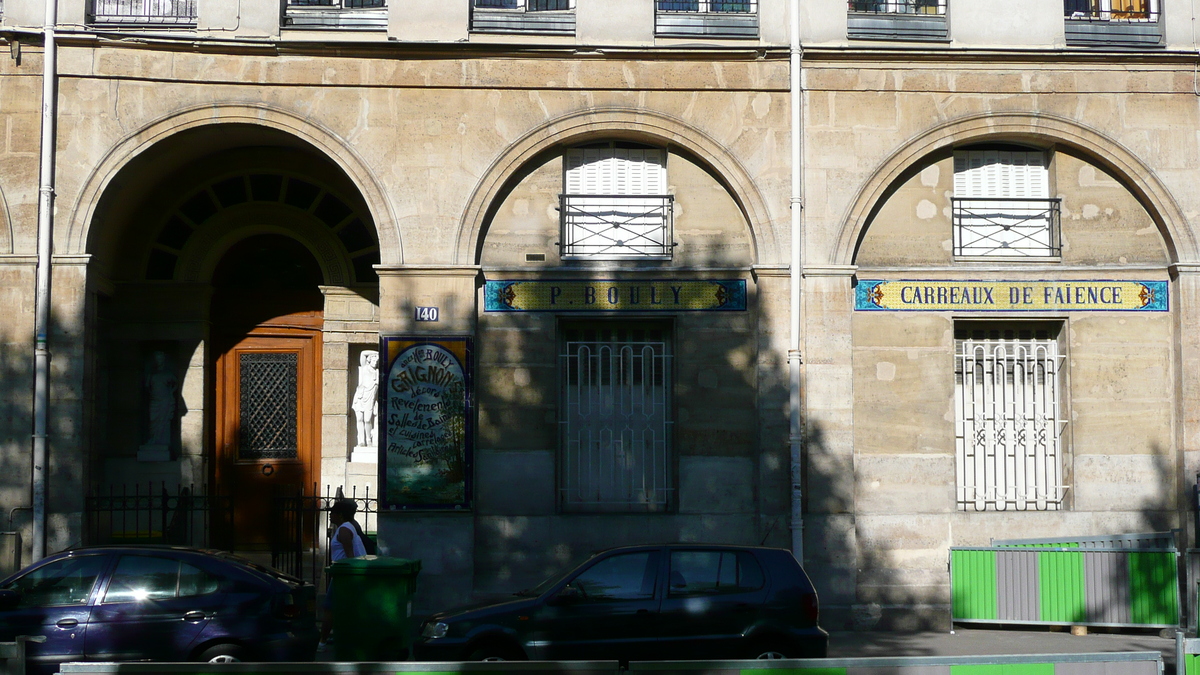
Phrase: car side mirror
x=9 y=598
x=567 y=595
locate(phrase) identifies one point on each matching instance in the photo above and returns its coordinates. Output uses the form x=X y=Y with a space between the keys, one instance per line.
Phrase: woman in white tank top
x=345 y=543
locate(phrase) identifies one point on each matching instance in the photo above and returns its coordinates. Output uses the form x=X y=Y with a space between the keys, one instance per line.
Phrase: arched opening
x=217 y=254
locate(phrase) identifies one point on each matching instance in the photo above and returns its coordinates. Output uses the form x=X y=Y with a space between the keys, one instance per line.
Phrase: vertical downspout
x=41 y=351
x=795 y=425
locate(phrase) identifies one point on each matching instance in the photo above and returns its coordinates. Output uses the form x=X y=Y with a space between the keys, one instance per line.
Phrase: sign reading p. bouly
x=592 y=295
x=1012 y=296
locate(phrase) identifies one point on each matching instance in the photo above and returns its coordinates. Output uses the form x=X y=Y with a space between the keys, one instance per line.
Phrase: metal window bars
x=130 y=515
x=1008 y=426
x=706 y=6
x=180 y=13
x=339 y=4
x=527 y=5
x=1006 y=227
x=343 y=14
x=1133 y=11
x=937 y=7
x=616 y=227
x=616 y=425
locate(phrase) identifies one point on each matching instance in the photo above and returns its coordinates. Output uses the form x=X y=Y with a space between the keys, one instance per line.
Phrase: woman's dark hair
x=345 y=508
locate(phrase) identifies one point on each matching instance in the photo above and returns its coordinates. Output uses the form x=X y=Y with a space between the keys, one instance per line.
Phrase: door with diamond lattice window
x=267 y=431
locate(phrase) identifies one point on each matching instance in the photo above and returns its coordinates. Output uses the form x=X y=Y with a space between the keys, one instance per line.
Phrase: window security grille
x=730 y=6
x=143 y=12
x=899 y=6
x=615 y=419
x=1008 y=427
x=614 y=204
x=1111 y=10
x=1001 y=205
x=267 y=406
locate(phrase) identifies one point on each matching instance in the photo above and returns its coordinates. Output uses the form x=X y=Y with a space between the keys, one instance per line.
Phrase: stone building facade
x=245 y=192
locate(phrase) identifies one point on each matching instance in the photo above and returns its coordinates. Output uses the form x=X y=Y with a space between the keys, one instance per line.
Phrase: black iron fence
x=146 y=514
x=300 y=523
x=190 y=516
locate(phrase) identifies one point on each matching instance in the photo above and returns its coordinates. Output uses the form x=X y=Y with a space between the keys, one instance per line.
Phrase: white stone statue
x=162 y=387
x=365 y=406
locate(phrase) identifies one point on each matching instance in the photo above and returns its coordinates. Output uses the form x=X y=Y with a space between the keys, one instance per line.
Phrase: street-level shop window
x=1002 y=204
x=615 y=204
x=615 y=417
x=1008 y=419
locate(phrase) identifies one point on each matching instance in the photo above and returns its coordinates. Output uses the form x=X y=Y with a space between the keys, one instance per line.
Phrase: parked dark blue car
x=158 y=604
x=642 y=603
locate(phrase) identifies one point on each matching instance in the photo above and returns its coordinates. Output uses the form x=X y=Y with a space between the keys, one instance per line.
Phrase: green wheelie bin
x=372 y=607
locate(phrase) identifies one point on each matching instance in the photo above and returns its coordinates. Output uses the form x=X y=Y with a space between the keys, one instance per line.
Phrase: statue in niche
x=162 y=387
x=365 y=402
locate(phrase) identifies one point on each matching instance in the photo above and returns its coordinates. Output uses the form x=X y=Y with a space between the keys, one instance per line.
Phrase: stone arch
x=626 y=122
x=1138 y=177
x=338 y=150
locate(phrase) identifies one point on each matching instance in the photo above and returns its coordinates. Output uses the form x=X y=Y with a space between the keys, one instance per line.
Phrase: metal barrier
x=1065 y=586
x=1125 y=663
x=12 y=654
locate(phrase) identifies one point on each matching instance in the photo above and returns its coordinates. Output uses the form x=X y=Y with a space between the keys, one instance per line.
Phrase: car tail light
x=811 y=607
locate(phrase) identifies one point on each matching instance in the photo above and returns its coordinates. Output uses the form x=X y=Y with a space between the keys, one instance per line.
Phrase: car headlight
x=434 y=630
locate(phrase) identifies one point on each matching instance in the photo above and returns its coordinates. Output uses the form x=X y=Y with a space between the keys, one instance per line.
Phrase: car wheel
x=768 y=650
x=222 y=654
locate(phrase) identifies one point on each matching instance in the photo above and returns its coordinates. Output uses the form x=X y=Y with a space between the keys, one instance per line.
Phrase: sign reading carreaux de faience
x=1012 y=296
x=592 y=295
x=427 y=421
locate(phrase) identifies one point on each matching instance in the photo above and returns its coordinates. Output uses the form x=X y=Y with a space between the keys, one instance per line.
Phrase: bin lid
x=371 y=565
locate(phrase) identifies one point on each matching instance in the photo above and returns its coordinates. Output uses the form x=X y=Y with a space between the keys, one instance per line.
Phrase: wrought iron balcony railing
x=616 y=227
x=176 y=13
x=1004 y=227
x=898 y=6
x=350 y=14
x=1116 y=10
x=719 y=6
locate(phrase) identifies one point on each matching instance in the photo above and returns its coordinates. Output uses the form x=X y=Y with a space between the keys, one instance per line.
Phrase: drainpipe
x=795 y=426
x=41 y=351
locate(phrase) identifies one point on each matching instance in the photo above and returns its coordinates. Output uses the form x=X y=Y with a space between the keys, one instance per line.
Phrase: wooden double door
x=268 y=416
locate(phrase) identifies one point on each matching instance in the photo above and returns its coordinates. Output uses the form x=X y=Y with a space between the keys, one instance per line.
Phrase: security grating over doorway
x=615 y=418
x=267 y=406
x=1008 y=425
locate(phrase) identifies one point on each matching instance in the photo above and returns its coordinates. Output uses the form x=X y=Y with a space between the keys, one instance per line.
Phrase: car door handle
x=67 y=623
x=194 y=615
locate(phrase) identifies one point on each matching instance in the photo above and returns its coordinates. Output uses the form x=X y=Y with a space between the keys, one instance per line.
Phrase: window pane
x=194 y=581
x=678 y=5
x=729 y=6
x=139 y=578
x=499 y=4
x=63 y=582
x=710 y=572
x=547 y=5
x=621 y=577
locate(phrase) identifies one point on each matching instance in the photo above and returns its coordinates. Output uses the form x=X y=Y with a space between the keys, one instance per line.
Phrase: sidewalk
x=981 y=641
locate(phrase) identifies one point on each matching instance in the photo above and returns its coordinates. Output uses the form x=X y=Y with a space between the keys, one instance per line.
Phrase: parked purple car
x=158 y=604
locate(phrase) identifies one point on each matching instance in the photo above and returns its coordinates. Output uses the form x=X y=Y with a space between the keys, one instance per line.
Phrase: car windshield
x=556 y=577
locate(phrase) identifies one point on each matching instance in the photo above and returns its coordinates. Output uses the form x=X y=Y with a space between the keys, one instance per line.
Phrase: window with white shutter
x=615 y=204
x=1002 y=204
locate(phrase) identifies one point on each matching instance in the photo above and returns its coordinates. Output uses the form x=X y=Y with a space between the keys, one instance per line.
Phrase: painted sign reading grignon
x=1011 y=296
x=426 y=404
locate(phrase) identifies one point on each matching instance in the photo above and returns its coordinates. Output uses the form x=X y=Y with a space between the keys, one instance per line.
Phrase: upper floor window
x=1112 y=22
x=615 y=204
x=713 y=18
x=523 y=16
x=1002 y=206
x=897 y=19
x=176 y=13
x=344 y=14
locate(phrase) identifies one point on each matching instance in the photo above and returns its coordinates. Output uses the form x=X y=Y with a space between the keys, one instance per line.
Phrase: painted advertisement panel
x=427 y=423
x=608 y=295
x=1011 y=296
